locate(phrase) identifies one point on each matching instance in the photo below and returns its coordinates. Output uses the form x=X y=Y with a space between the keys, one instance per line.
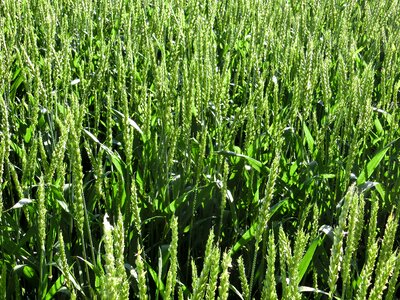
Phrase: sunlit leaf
x=304 y=289
x=307 y=258
x=154 y=276
x=130 y=121
x=250 y=233
x=27 y=272
x=75 y=81
x=22 y=203
x=308 y=136
x=327 y=230
x=255 y=164
x=114 y=157
x=371 y=166
x=55 y=288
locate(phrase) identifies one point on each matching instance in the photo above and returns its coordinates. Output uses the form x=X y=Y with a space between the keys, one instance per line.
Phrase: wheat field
x=182 y=149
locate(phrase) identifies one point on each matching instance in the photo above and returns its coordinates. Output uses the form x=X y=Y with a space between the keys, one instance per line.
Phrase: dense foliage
x=163 y=149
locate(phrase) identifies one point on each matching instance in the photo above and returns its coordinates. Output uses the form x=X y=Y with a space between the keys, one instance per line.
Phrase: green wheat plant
x=199 y=149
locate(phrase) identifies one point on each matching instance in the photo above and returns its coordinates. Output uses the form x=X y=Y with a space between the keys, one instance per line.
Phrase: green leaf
x=308 y=136
x=326 y=176
x=27 y=272
x=308 y=289
x=154 y=275
x=130 y=121
x=236 y=291
x=17 y=149
x=90 y=265
x=379 y=127
x=28 y=134
x=255 y=164
x=9 y=246
x=245 y=238
x=95 y=139
x=174 y=205
x=55 y=288
x=115 y=159
x=250 y=233
x=380 y=190
x=77 y=285
x=372 y=165
x=18 y=78
x=293 y=168
x=63 y=205
x=307 y=258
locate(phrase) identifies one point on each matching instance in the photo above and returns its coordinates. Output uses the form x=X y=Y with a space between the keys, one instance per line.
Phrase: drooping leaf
x=327 y=230
x=22 y=203
x=130 y=121
x=115 y=159
x=95 y=139
x=367 y=186
x=255 y=164
x=303 y=289
x=90 y=265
